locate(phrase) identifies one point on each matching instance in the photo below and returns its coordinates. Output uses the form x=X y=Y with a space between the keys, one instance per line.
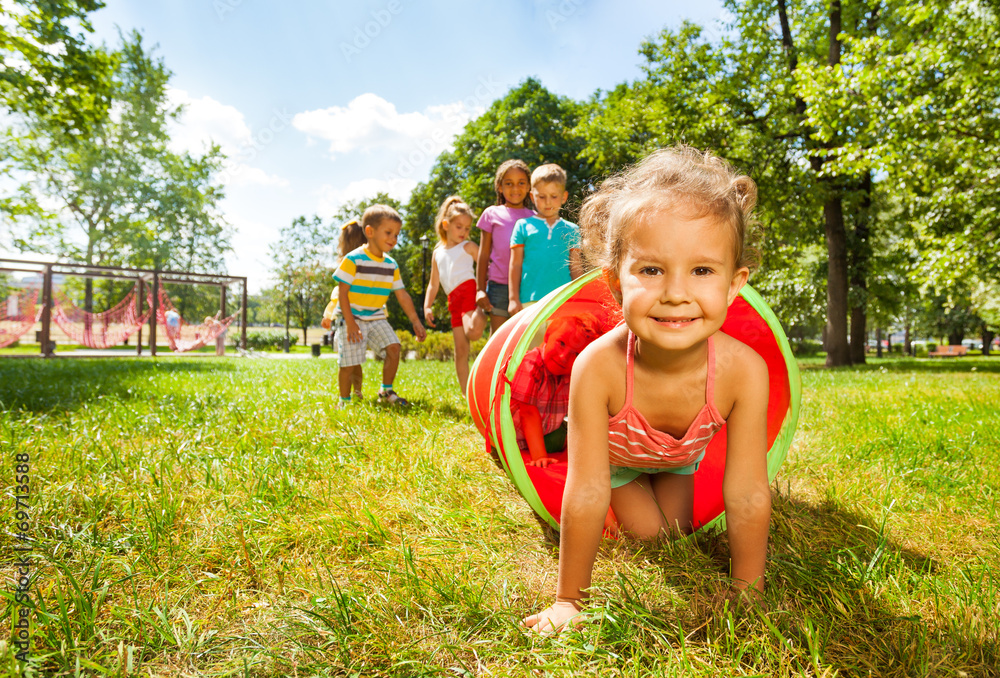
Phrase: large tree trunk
x=837 y=349
x=860 y=257
x=907 y=339
x=955 y=338
x=987 y=337
x=835 y=335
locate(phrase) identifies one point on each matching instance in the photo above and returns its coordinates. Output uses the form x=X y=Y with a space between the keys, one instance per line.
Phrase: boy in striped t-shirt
x=365 y=278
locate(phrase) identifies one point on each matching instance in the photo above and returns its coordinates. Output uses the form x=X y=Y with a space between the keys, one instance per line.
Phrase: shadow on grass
x=842 y=595
x=47 y=385
x=842 y=599
x=421 y=408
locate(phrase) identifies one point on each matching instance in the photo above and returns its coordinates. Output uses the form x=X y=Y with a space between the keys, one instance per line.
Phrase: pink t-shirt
x=499 y=220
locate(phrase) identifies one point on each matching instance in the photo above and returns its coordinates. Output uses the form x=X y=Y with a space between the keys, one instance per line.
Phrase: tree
x=695 y=92
x=48 y=67
x=303 y=265
x=120 y=195
x=529 y=123
x=831 y=107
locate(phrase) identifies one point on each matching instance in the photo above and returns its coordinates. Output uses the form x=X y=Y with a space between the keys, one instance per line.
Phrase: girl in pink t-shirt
x=512 y=183
x=671 y=235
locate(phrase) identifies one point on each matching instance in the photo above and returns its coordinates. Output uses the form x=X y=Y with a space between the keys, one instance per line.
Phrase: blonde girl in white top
x=453 y=267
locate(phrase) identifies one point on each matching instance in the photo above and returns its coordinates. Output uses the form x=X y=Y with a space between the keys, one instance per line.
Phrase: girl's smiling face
x=678 y=277
x=514 y=187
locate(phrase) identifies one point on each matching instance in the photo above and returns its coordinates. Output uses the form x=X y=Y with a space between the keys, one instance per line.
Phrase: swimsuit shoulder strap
x=710 y=379
x=629 y=370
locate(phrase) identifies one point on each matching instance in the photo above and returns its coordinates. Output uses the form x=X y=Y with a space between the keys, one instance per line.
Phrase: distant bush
x=264 y=340
x=806 y=347
x=437 y=346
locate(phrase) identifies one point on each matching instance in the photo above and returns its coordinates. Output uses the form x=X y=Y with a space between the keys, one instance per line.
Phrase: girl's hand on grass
x=553 y=618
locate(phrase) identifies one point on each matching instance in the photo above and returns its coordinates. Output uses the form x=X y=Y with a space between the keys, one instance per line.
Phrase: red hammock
x=182 y=336
x=99 y=330
x=18 y=314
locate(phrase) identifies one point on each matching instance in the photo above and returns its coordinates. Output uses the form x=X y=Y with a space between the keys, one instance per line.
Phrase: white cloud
x=370 y=123
x=251 y=254
x=241 y=174
x=205 y=121
x=332 y=198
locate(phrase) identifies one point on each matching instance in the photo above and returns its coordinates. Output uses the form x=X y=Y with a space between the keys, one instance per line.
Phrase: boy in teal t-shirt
x=544 y=249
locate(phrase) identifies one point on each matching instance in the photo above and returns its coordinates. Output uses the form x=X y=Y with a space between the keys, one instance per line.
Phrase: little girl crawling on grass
x=646 y=398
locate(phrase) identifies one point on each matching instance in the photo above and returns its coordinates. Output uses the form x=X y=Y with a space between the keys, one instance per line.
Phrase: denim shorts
x=499 y=297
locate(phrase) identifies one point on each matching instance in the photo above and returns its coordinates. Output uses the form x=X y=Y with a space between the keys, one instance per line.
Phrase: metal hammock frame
x=151 y=279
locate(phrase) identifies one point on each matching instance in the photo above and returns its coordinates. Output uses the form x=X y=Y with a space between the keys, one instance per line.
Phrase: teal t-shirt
x=546 y=254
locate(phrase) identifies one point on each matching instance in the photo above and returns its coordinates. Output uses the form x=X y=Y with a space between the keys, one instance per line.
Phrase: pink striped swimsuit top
x=633 y=443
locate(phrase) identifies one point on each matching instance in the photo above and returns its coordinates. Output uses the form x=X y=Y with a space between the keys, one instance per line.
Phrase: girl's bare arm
x=431 y=293
x=587 y=495
x=482 y=266
x=745 y=487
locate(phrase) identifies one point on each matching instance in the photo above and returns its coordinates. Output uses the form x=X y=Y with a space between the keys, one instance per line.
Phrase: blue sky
x=318 y=102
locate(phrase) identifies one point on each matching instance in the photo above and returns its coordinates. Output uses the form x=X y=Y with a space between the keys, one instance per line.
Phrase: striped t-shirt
x=371 y=280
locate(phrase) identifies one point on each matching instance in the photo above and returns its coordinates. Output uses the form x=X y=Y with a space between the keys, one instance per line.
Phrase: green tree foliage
x=48 y=68
x=695 y=92
x=131 y=198
x=303 y=265
x=529 y=123
x=119 y=195
x=837 y=110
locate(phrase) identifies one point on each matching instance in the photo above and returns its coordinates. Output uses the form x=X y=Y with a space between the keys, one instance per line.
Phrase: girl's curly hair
x=698 y=182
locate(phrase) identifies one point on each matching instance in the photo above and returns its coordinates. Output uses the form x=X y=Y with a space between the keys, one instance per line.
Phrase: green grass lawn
x=220 y=517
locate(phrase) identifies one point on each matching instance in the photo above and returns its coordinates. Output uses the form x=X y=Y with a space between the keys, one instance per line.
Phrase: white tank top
x=455 y=265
